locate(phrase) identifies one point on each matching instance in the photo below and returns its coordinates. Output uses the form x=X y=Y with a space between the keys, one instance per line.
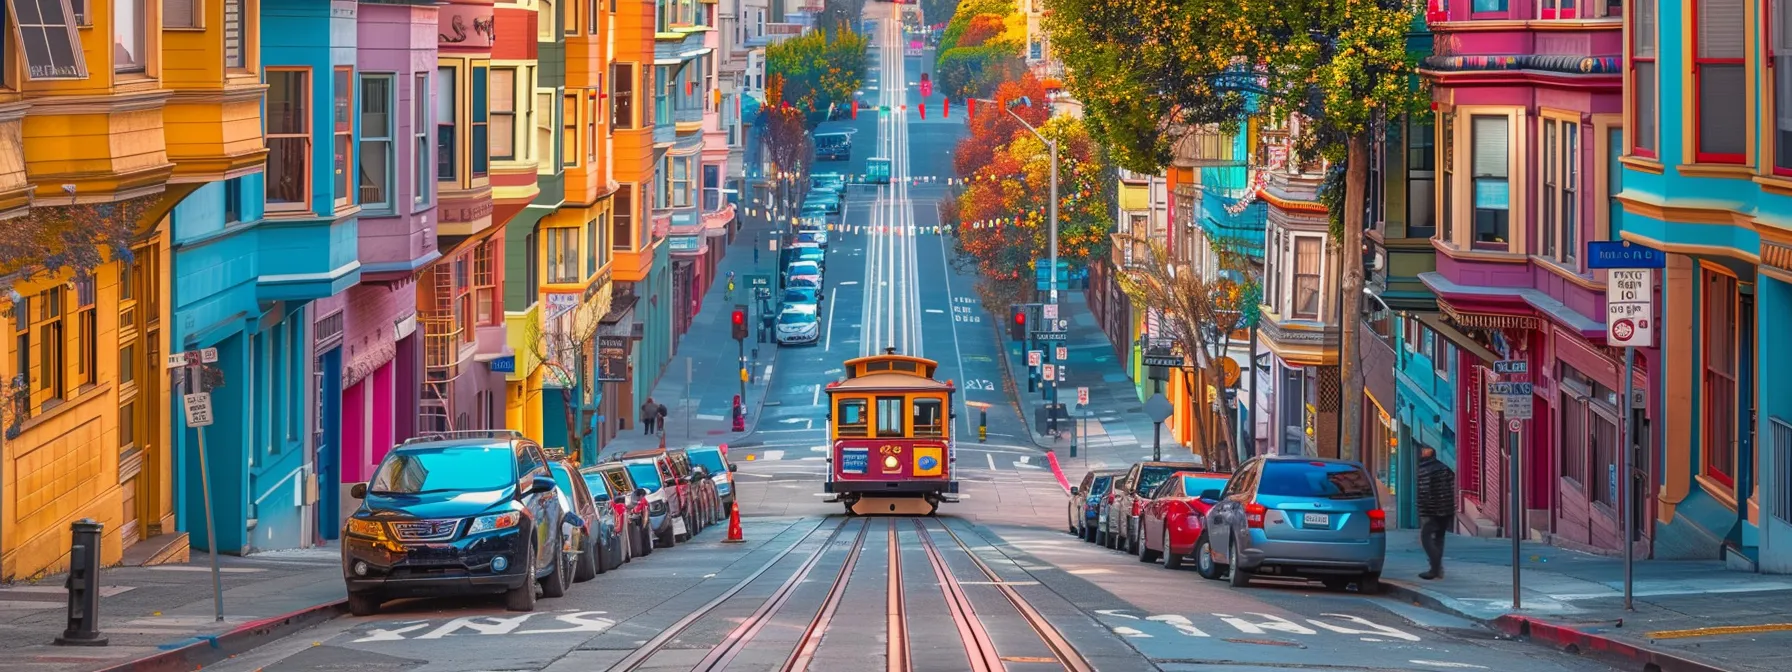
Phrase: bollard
x=83 y=585
x=982 y=426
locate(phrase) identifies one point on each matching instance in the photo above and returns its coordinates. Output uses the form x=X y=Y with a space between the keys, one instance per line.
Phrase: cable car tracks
x=797 y=605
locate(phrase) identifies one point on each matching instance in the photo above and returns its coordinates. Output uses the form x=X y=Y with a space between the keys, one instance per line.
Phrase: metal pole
x=1052 y=272
x=1157 y=442
x=211 y=530
x=1516 y=525
x=1626 y=493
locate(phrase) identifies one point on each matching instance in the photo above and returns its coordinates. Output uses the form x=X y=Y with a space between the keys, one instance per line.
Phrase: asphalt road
x=998 y=567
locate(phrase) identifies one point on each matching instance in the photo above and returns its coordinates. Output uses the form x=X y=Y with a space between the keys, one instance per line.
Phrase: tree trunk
x=1227 y=427
x=1350 y=264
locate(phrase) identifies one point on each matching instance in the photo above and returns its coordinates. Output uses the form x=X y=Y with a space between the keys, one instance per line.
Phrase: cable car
x=890 y=429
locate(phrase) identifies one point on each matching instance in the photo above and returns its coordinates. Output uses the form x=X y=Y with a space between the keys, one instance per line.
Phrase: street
x=993 y=582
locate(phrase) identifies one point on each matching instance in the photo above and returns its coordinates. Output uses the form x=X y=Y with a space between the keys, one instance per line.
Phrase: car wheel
x=1369 y=584
x=1145 y=553
x=1171 y=560
x=1132 y=536
x=555 y=583
x=522 y=598
x=363 y=604
x=1240 y=577
x=590 y=564
x=1204 y=563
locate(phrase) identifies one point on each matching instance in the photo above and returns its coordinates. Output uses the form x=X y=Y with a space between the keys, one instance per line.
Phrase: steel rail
x=1054 y=639
x=804 y=653
x=896 y=650
x=737 y=640
x=978 y=646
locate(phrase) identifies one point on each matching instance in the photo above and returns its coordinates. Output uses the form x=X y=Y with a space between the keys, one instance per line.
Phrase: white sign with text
x=1630 y=307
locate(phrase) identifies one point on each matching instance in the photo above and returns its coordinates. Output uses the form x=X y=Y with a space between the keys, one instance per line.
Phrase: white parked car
x=802 y=270
x=799 y=323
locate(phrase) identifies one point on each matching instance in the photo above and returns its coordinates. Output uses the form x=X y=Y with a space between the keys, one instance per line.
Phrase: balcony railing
x=441 y=344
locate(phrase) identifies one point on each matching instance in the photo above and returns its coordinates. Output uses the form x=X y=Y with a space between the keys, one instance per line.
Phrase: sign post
x=196 y=402
x=1629 y=324
x=1513 y=398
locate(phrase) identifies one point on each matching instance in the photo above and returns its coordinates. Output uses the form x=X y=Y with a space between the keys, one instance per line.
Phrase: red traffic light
x=1020 y=317
x=740 y=317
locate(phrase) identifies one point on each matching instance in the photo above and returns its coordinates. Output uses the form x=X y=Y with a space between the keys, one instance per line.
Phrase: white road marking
x=1115 y=612
x=1181 y=623
x=935 y=311
x=815 y=399
x=992 y=461
x=773 y=455
x=1446 y=664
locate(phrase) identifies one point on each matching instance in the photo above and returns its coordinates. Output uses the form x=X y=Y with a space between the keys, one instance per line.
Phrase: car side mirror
x=541 y=484
x=358 y=491
x=1211 y=495
x=1075 y=491
x=733 y=468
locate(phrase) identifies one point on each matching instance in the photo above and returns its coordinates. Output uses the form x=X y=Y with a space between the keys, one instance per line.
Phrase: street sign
x=1063 y=353
x=1623 y=254
x=506 y=364
x=1515 y=406
x=1051 y=372
x=1515 y=389
x=1051 y=311
x=208 y=356
x=1082 y=396
x=1034 y=357
x=1630 y=307
x=1511 y=366
x=759 y=281
x=1514 y=425
x=1158 y=408
x=1049 y=335
x=199 y=409
x=177 y=360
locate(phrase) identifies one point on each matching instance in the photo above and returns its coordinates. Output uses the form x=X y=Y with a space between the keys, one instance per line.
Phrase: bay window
x=1307 y=262
x=1491 y=144
x=1644 y=85
x=485 y=283
x=377 y=125
x=563 y=255
x=1447 y=147
x=592 y=111
x=128 y=43
x=622 y=97
x=1559 y=193
x=1720 y=81
x=421 y=180
x=288 y=139
x=1718 y=446
x=548 y=155
x=447 y=143
x=591 y=247
x=343 y=134
x=479 y=145
x=622 y=205
x=503 y=114
x=569 y=136
x=235 y=34
x=681 y=182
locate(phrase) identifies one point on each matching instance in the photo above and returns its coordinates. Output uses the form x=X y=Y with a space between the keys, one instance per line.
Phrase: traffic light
x=1017 y=323
x=740 y=324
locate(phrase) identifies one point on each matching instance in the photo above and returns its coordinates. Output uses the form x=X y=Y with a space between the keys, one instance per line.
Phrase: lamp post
x=1052 y=208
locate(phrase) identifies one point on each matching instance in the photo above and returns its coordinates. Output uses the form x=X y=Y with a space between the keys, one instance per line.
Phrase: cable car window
x=928 y=419
x=903 y=366
x=849 y=420
x=877 y=366
x=889 y=416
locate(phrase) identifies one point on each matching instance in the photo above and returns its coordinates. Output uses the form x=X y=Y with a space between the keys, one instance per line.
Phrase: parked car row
x=492 y=512
x=1279 y=516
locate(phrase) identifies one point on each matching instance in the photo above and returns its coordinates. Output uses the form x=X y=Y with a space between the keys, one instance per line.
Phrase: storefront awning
x=1461 y=340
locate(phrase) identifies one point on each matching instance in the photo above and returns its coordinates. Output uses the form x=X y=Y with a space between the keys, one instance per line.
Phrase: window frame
x=567 y=257
x=622 y=217
x=423 y=182
x=487 y=309
x=50 y=340
x=1445 y=147
x=242 y=50
x=508 y=111
x=1634 y=63
x=1475 y=178
x=342 y=137
x=479 y=139
x=195 y=16
x=1561 y=184
x=878 y=427
x=623 y=107
x=1722 y=472
x=569 y=129
x=70 y=26
x=303 y=138
x=390 y=201
x=593 y=115
x=681 y=195
x=141 y=64
x=1694 y=89
x=547 y=151
x=1421 y=142
x=447 y=76
x=1295 y=310
x=1781 y=163
x=87 y=331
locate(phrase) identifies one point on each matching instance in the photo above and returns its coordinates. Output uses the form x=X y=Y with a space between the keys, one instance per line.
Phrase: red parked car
x=1170 y=522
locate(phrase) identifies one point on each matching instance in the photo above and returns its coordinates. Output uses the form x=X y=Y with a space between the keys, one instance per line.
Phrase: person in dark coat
x=649 y=415
x=1437 y=508
x=659 y=418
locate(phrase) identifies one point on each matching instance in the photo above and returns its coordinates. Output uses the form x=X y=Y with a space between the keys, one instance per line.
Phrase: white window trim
x=1462 y=179
x=390 y=138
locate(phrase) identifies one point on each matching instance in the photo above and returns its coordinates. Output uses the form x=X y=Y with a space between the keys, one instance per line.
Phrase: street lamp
x=1052 y=146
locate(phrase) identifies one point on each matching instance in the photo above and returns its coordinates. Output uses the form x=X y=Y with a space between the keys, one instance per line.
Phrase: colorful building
x=458 y=302
x=369 y=360
x=1299 y=402
x=1704 y=177
x=684 y=65
x=642 y=304
x=1528 y=101
x=536 y=166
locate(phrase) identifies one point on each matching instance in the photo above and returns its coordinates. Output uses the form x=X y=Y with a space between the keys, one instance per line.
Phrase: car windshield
x=600 y=491
x=804 y=295
x=1328 y=480
x=804 y=268
x=809 y=283
x=1195 y=485
x=646 y=475
x=1101 y=485
x=420 y=470
x=795 y=317
x=711 y=461
x=1151 y=477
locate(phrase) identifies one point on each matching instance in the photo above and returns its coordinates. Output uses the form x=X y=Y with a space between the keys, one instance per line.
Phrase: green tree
x=819 y=73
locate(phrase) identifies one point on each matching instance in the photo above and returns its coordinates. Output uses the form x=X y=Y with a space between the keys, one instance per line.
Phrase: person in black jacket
x=1437 y=508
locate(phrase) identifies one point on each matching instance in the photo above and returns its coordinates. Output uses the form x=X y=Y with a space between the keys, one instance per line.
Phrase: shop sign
x=684 y=243
x=612 y=359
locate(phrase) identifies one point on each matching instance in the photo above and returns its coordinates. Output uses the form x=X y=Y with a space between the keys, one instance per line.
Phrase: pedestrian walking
x=659 y=416
x=649 y=415
x=1437 y=508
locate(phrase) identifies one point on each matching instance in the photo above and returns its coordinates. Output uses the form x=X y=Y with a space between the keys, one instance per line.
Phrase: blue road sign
x=1623 y=254
x=504 y=365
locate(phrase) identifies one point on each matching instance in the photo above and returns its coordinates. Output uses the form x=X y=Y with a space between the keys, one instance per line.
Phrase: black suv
x=455 y=513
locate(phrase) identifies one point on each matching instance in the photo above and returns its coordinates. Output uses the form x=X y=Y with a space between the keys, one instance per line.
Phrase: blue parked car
x=720 y=471
x=1297 y=517
x=1085 y=502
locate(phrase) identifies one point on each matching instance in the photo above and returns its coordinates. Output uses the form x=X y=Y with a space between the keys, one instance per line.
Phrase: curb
x=752 y=423
x=1013 y=389
x=202 y=650
x=1555 y=635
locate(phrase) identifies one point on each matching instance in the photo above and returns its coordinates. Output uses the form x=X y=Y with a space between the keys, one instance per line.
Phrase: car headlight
x=371 y=529
x=494 y=522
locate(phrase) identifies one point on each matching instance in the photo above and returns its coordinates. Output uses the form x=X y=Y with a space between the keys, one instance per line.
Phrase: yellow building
x=86 y=143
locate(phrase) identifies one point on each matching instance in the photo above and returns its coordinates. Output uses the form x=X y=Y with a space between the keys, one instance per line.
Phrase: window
x=127 y=364
x=569 y=136
x=591 y=113
x=1551 y=190
x=1643 y=85
x=234 y=34
x=87 y=333
x=21 y=324
x=600 y=240
x=850 y=418
x=1779 y=51
x=1421 y=166
x=485 y=284
x=889 y=416
x=547 y=155
x=127 y=425
x=127 y=36
x=478 y=150
x=591 y=248
x=345 y=134
x=1492 y=190
x=622 y=96
x=1557 y=9
x=51 y=357
x=1306 y=278
x=1574 y=438
x=233 y=207
x=289 y=139
x=180 y=13
x=928 y=420
x=563 y=255
x=377 y=127
x=420 y=139
x=1719 y=81
x=447 y=158
x=52 y=47
x=462 y=282
x=1719 y=421
x=681 y=182
x=1488 y=6
x=622 y=221
x=712 y=188
x=503 y=114
x=1570 y=203
x=1447 y=146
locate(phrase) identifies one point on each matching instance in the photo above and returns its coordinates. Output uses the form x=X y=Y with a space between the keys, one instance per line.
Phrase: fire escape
x=441 y=352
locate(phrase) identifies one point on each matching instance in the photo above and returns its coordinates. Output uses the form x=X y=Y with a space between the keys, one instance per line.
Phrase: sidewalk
x=1690 y=615
x=162 y=617
x=1117 y=431
x=703 y=416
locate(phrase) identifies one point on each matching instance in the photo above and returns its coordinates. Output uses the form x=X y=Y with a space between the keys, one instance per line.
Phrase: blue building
x=249 y=256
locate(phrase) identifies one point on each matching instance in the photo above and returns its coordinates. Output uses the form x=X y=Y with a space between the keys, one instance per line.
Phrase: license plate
x=1316 y=520
x=678 y=526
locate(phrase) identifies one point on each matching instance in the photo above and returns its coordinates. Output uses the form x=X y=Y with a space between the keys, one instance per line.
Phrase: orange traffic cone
x=734 y=535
